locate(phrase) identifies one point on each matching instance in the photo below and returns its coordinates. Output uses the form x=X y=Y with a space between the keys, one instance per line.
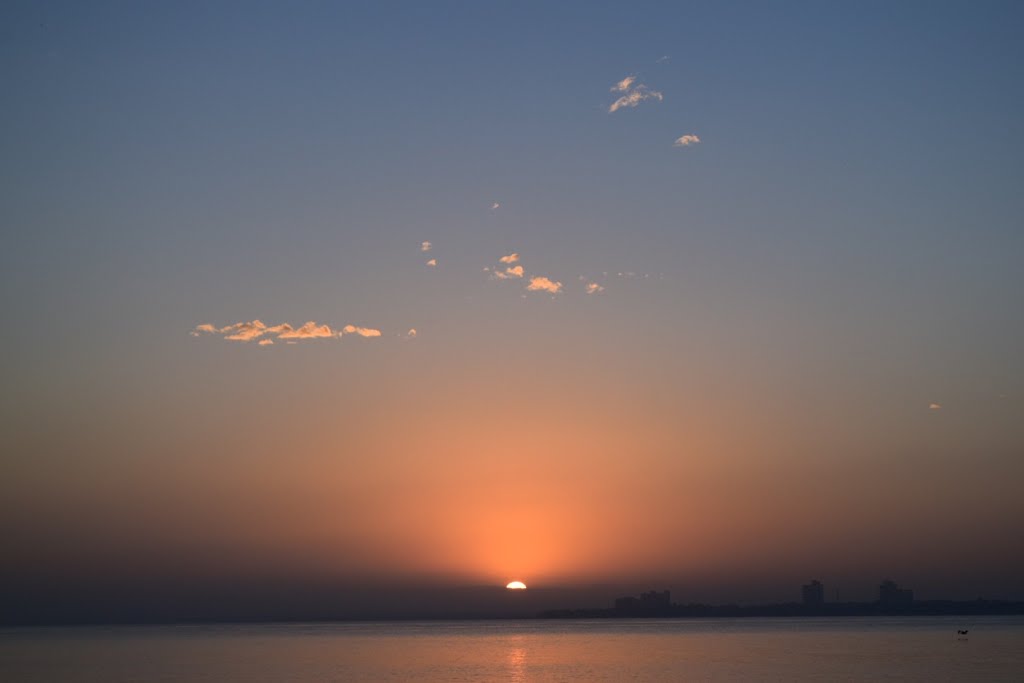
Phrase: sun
x=516 y=586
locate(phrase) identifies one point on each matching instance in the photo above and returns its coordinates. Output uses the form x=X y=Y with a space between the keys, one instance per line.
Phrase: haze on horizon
x=712 y=297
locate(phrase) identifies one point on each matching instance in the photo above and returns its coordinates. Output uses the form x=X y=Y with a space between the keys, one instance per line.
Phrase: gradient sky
x=801 y=358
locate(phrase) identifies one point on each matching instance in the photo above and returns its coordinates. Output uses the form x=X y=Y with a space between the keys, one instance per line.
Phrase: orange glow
x=516 y=586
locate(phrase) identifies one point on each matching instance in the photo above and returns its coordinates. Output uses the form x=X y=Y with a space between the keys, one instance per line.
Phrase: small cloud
x=361 y=331
x=308 y=331
x=426 y=246
x=266 y=342
x=623 y=85
x=205 y=328
x=686 y=141
x=662 y=59
x=511 y=258
x=934 y=406
x=594 y=288
x=495 y=205
x=634 y=97
x=543 y=284
x=411 y=334
x=244 y=331
x=510 y=272
x=432 y=262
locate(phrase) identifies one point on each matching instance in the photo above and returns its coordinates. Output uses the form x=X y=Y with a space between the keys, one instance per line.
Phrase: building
x=891 y=595
x=649 y=603
x=813 y=594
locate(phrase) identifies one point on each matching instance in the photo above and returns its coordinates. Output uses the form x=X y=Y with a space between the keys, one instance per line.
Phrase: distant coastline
x=796 y=609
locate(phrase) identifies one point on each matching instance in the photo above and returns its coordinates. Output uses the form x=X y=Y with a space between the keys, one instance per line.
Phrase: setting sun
x=516 y=586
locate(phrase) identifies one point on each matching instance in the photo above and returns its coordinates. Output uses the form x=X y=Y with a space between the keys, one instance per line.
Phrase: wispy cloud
x=510 y=272
x=934 y=406
x=594 y=288
x=662 y=59
x=310 y=330
x=432 y=262
x=634 y=97
x=361 y=331
x=686 y=141
x=543 y=284
x=411 y=334
x=426 y=246
x=256 y=329
x=511 y=258
x=624 y=85
x=495 y=205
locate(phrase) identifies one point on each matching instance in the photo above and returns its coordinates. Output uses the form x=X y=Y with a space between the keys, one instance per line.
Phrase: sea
x=748 y=649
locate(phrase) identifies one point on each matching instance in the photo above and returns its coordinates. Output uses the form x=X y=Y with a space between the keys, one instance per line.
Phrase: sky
x=388 y=296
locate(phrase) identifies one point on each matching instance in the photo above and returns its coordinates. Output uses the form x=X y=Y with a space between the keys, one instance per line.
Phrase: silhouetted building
x=891 y=595
x=651 y=602
x=813 y=594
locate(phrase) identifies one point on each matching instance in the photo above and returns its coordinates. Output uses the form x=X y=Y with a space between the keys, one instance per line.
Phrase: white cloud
x=686 y=141
x=543 y=284
x=495 y=205
x=432 y=262
x=426 y=246
x=634 y=97
x=594 y=288
x=624 y=85
x=662 y=59
x=511 y=258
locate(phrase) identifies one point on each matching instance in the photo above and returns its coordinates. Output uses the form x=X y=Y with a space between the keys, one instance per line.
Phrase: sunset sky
x=718 y=297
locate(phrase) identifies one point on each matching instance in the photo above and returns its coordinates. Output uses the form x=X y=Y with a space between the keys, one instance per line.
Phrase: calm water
x=850 y=649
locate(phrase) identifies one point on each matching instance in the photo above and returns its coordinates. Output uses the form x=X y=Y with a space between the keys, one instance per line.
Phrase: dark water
x=848 y=649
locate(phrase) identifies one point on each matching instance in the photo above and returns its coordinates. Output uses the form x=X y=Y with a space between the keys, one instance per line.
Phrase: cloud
x=934 y=406
x=411 y=334
x=686 y=141
x=624 y=85
x=510 y=272
x=495 y=205
x=244 y=331
x=662 y=59
x=543 y=284
x=634 y=97
x=256 y=329
x=426 y=246
x=310 y=330
x=511 y=258
x=594 y=288
x=361 y=331
x=432 y=262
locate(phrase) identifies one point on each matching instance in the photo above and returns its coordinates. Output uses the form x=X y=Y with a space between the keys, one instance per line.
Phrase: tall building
x=813 y=593
x=891 y=595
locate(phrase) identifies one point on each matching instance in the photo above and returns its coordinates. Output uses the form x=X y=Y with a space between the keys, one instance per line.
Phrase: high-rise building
x=813 y=593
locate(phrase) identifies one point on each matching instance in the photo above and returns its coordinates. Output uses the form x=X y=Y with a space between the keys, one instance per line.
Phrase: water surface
x=850 y=649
